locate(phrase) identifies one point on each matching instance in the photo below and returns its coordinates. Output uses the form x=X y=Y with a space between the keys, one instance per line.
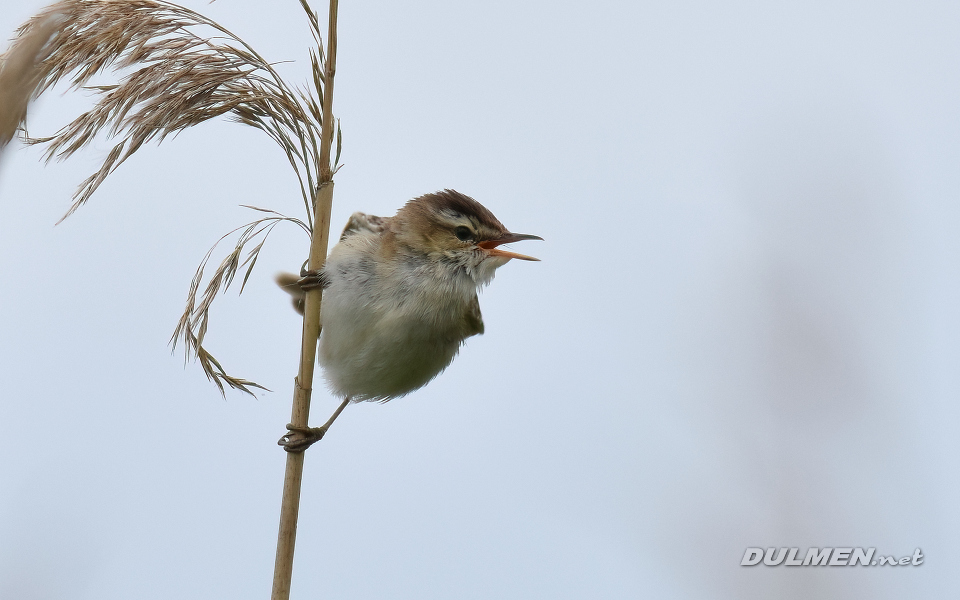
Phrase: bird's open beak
x=490 y=246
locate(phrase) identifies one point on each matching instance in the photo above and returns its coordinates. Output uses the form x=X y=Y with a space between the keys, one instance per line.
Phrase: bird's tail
x=290 y=283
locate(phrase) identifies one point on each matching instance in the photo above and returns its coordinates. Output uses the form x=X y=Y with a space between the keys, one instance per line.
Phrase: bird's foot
x=298 y=439
x=311 y=280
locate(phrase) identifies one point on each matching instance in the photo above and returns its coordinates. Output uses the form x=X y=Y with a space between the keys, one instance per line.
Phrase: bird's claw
x=298 y=439
x=310 y=280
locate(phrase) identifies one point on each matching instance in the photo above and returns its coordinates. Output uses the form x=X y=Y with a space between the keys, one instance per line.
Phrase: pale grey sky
x=745 y=330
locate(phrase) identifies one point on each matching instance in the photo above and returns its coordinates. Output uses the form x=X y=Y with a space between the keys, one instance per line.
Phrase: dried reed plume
x=176 y=69
x=20 y=73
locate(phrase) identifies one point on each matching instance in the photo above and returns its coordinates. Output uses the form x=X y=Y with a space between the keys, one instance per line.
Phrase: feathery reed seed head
x=176 y=69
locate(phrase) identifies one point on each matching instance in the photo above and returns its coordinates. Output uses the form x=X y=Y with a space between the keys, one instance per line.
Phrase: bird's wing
x=358 y=223
x=361 y=222
x=473 y=320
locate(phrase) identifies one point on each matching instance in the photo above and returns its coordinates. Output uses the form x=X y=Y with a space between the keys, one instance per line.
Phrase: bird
x=400 y=298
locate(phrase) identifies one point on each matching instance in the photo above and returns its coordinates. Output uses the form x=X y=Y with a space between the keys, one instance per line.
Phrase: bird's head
x=451 y=227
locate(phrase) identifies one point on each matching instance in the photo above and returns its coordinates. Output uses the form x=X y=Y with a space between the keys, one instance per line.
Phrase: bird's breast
x=389 y=331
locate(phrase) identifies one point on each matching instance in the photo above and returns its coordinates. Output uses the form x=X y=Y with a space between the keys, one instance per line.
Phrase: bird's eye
x=463 y=233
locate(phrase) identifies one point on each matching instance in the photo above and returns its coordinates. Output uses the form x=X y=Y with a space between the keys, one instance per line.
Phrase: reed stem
x=323 y=202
